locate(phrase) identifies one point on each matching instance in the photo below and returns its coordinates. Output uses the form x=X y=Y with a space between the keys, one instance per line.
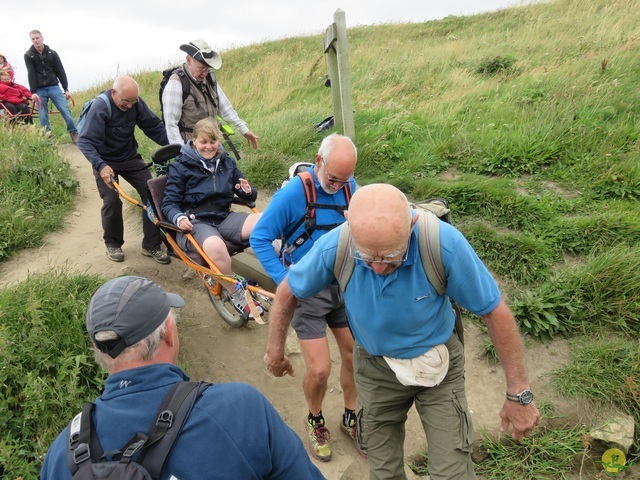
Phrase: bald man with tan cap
x=406 y=351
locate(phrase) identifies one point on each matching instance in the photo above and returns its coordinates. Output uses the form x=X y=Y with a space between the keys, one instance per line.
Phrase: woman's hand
x=243 y=185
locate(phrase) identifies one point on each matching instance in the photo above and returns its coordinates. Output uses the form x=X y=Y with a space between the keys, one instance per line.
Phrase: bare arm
x=506 y=338
x=279 y=320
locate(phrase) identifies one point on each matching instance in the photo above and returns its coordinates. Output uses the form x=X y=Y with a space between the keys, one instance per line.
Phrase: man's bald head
x=335 y=162
x=126 y=87
x=380 y=220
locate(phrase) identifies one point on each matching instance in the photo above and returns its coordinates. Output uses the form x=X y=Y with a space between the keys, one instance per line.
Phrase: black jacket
x=44 y=70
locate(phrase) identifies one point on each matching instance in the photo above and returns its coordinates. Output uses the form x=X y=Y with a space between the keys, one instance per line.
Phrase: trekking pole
x=231 y=145
x=226 y=130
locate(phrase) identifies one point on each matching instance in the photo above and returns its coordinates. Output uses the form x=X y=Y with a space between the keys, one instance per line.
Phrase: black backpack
x=186 y=86
x=85 y=456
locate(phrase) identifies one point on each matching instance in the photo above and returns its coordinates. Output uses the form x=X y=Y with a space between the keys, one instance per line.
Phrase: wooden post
x=335 y=46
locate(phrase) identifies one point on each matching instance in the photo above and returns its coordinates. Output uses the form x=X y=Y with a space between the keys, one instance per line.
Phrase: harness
x=309 y=217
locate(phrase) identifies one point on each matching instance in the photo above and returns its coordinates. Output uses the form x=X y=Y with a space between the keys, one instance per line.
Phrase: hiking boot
x=319 y=436
x=351 y=431
x=74 y=137
x=158 y=255
x=115 y=254
x=240 y=303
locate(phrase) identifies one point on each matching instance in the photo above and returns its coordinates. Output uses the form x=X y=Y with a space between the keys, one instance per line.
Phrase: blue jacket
x=194 y=184
x=109 y=139
x=232 y=431
x=285 y=209
x=401 y=314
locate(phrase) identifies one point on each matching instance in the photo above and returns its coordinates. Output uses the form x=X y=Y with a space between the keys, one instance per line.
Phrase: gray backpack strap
x=344 y=262
x=429 y=243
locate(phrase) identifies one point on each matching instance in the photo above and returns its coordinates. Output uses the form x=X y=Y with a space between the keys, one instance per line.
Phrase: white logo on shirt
x=125 y=383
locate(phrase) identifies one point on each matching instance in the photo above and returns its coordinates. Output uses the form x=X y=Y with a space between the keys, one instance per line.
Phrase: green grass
x=48 y=370
x=526 y=120
x=36 y=186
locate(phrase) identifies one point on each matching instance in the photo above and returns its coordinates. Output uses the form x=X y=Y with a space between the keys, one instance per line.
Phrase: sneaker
x=319 y=436
x=351 y=431
x=74 y=137
x=158 y=255
x=240 y=303
x=115 y=254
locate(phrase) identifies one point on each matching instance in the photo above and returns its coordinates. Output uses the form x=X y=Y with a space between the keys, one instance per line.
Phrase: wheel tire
x=226 y=310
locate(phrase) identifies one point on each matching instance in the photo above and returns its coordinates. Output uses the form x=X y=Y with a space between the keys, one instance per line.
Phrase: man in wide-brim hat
x=182 y=109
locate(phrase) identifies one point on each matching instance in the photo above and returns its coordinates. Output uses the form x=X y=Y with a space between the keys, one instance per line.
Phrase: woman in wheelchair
x=14 y=98
x=201 y=185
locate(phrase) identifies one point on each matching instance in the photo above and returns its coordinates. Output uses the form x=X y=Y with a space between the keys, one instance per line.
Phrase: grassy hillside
x=526 y=120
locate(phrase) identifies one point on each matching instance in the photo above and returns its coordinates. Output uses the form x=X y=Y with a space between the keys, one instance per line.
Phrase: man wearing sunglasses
x=332 y=179
x=406 y=351
x=205 y=98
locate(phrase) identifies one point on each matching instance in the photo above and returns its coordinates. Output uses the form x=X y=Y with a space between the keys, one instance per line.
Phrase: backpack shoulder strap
x=83 y=444
x=104 y=97
x=430 y=253
x=428 y=243
x=310 y=193
x=165 y=430
x=344 y=263
x=184 y=81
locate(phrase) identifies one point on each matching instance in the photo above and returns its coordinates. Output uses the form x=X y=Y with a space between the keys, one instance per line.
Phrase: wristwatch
x=524 y=398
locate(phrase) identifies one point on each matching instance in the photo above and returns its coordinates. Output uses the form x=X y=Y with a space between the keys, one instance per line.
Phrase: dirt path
x=213 y=351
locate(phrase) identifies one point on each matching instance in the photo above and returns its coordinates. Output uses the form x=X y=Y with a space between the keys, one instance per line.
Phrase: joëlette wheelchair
x=207 y=271
x=34 y=109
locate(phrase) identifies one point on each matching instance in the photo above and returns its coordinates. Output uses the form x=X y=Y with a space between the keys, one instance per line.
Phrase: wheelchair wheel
x=226 y=310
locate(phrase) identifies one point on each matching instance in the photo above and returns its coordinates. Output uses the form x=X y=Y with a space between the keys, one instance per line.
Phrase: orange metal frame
x=204 y=272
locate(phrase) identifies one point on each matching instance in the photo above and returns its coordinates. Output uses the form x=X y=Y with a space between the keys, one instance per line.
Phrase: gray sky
x=96 y=43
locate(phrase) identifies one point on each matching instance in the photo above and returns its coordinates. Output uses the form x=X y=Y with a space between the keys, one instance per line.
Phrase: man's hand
x=67 y=95
x=524 y=418
x=106 y=173
x=252 y=140
x=279 y=367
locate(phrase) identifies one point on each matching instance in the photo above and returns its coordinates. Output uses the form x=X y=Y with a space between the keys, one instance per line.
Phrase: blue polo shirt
x=401 y=315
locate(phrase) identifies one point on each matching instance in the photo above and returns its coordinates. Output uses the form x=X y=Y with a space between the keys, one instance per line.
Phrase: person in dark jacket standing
x=45 y=71
x=109 y=143
x=232 y=431
x=201 y=185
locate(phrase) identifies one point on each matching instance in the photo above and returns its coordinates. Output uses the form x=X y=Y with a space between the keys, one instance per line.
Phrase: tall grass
x=48 y=370
x=36 y=186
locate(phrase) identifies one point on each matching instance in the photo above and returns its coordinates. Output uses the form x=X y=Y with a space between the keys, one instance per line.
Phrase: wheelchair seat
x=156 y=187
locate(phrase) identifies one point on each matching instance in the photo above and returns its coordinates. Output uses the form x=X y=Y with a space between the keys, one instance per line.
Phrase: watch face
x=526 y=397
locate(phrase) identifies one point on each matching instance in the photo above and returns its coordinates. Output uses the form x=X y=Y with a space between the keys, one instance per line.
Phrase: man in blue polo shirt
x=406 y=351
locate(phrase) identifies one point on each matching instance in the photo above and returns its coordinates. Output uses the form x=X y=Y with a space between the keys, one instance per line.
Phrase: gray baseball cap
x=132 y=307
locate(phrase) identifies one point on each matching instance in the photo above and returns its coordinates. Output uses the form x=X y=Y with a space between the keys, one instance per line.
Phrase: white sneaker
x=240 y=303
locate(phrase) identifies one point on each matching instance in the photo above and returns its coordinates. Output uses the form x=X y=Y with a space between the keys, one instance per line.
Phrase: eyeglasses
x=390 y=259
x=331 y=178
x=124 y=101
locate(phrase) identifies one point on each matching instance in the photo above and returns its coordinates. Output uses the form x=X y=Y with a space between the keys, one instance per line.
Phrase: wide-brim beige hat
x=202 y=52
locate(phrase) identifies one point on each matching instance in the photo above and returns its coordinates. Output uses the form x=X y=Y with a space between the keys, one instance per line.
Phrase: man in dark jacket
x=232 y=431
x=45 y=71
x=108 y=142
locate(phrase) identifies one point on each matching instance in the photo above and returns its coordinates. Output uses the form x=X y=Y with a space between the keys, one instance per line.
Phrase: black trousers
x=132 y=171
